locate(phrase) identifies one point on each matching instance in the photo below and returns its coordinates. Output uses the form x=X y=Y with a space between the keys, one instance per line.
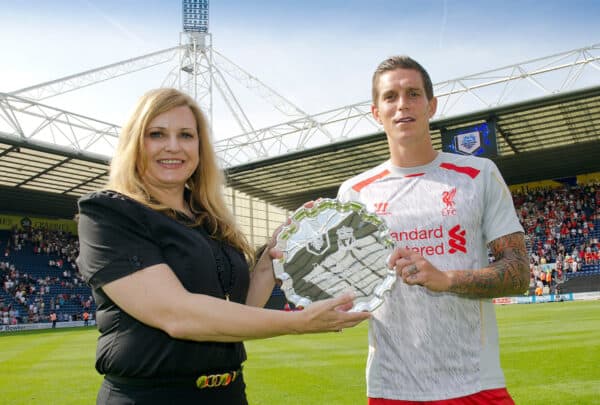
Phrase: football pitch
x=550 y=354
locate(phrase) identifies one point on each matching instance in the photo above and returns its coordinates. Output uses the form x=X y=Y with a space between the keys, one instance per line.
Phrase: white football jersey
x=425 y=345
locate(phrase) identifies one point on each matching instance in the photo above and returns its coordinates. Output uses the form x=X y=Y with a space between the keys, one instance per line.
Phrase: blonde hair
x=205 y=184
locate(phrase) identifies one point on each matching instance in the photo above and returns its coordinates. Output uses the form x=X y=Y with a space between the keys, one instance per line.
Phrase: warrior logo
x=381 y=208
x=457 y=240
x=448 y=200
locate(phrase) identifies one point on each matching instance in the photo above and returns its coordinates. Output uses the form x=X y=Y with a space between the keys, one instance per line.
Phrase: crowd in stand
x=30 y=293
x=560 y=225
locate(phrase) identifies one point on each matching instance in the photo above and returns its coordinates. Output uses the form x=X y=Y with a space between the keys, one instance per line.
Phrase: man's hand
x=507 y=275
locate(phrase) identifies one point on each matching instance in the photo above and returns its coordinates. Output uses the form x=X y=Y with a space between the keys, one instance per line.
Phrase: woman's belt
x=201 y=382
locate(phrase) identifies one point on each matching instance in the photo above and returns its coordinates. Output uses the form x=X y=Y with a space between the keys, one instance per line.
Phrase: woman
x=168 y=268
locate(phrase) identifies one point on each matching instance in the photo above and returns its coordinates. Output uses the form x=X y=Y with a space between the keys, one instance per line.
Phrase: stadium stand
x=562 y=228
x=582 y=283
x=562 y=224
x=39 y=276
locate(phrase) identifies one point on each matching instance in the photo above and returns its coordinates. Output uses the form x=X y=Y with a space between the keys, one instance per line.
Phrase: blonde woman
x=169 y=268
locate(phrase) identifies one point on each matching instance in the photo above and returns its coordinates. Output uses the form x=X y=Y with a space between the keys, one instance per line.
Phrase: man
x=435 y=337
x=53 y=319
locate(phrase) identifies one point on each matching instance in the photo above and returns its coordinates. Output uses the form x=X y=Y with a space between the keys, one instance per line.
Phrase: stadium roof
x=550 y=137
x=38 y=179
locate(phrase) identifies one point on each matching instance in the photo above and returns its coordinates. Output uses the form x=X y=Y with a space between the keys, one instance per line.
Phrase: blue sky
x=319 y=54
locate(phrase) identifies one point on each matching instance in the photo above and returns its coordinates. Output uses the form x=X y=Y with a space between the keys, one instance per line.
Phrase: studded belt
x=201 y=382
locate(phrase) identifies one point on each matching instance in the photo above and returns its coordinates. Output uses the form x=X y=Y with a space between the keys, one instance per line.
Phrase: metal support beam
x=76 y=81
x=200 y=67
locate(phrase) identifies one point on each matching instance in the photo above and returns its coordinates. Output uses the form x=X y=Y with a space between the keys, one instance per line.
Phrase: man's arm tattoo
x=507 y=275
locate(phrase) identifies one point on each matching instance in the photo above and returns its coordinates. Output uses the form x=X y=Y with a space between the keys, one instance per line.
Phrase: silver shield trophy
x=331 y=248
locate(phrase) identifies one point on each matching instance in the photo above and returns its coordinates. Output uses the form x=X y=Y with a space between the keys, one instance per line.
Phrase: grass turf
x=550 y=354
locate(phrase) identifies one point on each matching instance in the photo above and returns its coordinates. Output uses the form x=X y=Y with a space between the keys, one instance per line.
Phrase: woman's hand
x=330 y=315
x=264 y=263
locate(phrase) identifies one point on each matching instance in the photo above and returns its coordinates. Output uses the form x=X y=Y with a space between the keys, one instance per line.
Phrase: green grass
x=550 y=354
x=52 y=366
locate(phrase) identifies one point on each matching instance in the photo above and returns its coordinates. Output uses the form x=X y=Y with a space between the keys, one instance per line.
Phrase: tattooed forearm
x=507 y=275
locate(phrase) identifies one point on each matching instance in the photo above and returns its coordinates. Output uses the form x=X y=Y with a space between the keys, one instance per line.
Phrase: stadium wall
x=532 y=299
x=555 y=183
x=46 y=325
x=7 y=222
